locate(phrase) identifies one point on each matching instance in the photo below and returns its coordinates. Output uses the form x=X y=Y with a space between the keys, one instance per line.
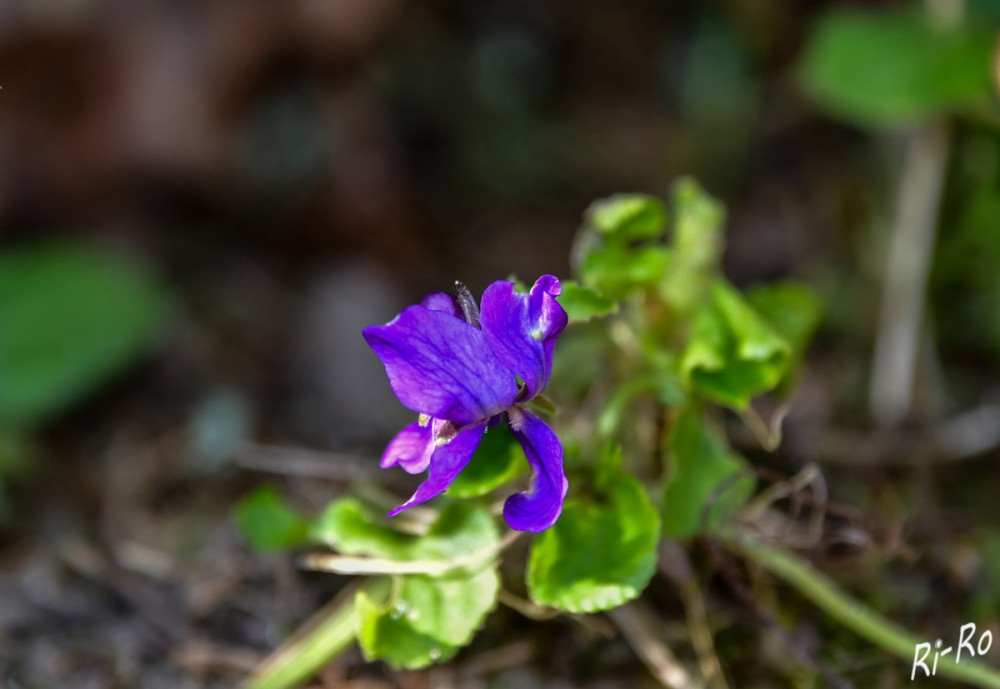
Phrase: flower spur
x=458 y=367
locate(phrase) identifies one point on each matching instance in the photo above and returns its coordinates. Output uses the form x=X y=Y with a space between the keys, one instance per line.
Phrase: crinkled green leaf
x=791 y=308
x=427 y=620
x=794 y=311
x=268 y=522
x=706 y=481
x=461 y=528
x=616 y=269
x=733 y=353
x=70 y=318
x=697 y=246
x=628 y=216
x=891 y=68
x=498 y=459
x=583 y=303
x=596 y=557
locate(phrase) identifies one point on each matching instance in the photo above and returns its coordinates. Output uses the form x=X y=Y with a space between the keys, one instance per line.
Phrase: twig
x=526 y=607
x=905 y=281
x=333 y=466
x=767 y=434
x=635 y=624
x=512 y=655
x=701 y=635
x=673 y=562
x=342 y=564
x=809 y=476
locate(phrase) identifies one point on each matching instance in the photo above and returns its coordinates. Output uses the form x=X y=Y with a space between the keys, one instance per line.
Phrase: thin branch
x=767 y=434
x=344 y=564
x=905 y=281
x=638 y=628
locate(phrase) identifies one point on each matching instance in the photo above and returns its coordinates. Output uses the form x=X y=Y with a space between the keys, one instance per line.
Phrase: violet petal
x=440 y=301
x=522 y=328
x=446 y=463
x=411 y=449
x=539 y=507
x=440 y=365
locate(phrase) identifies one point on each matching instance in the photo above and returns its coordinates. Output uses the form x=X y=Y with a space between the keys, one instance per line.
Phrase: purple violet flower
x=458 y=368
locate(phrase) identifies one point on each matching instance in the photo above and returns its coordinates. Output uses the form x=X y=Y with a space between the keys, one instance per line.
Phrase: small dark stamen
x=446 y=433
x=466 y=302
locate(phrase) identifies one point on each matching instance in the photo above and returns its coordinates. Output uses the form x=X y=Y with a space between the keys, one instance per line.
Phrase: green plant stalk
x=857 y=617
x=327 y=634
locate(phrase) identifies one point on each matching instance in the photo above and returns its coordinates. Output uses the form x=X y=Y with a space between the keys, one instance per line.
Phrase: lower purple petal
x=539 y=507
x=446 y=463
x=411 y=449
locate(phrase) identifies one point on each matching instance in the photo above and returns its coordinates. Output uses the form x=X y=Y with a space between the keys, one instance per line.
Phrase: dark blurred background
x=290 y=172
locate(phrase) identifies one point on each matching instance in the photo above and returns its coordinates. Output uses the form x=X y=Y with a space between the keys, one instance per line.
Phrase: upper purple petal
x=522 y=328
x=440 y=301
x=446 y=463
x=411 y=449
x=441 y=366
x=540 y=506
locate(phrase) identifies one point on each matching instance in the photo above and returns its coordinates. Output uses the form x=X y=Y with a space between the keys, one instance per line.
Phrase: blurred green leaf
x=616 y=269
x=663 y=385
x=580 y=360
x=427 y=619
x=793 y=310
x=891 y=68
x=70 y=318
x=583 y=303
x=697 y=246
x=704 y=485
x=268 y=522
x=596 y=557
x=733 y=354
x=462 y=528
x=498 y=459
x=628 y=216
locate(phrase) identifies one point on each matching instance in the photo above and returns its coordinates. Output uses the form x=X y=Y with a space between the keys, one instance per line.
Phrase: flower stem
x=324 y=636
x=849 y=612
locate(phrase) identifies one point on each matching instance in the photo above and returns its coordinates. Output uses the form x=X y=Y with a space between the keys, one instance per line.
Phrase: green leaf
x=792 y=309
x=617 y=269
x=733 y=354
x=596 y=557
x=705 y=483
x=697 y=246
x=70 y=318
x=427 y=620
x=498 y=459
x=583 y=303
x=628 y=216
x=662 y=384
x=268 y=522
x=462 y=528
x=893 y=68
